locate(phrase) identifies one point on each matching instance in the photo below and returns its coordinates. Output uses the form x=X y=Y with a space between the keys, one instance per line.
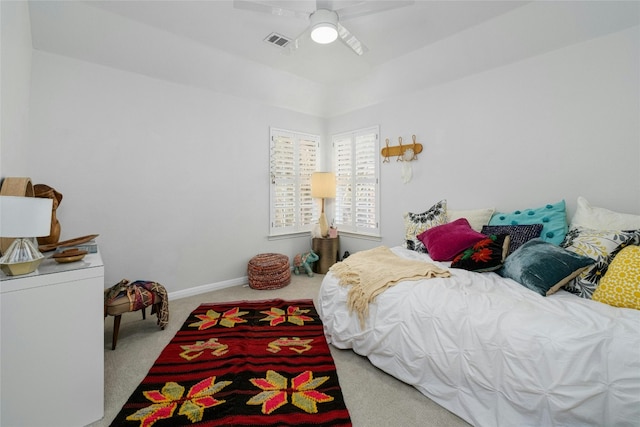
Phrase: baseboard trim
x=207 y=288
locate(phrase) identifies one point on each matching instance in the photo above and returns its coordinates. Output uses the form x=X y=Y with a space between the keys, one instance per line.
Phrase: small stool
x=269 y=271
x=122 y=304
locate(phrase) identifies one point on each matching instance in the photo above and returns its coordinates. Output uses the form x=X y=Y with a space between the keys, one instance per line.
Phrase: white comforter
x=496 y=353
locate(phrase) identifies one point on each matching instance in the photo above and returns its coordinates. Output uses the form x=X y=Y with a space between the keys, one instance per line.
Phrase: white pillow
x=595 y=218
x=476 y=217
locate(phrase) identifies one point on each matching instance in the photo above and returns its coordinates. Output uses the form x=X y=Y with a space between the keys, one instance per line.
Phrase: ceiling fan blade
x=300 y=40
x=364 y=8
x=351 y=41
x=258 y=6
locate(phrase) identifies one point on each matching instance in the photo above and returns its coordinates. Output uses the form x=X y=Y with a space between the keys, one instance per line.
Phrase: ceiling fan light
x=324 y=26
x=324 y=33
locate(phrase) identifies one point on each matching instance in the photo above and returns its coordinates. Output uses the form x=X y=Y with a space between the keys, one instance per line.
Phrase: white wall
x=173 y=178
x=15 y=57
x=552 y=127
x=61 y=27
x=526 y=31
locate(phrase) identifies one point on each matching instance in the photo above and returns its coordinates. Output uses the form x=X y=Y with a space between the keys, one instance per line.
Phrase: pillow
x=518 y=234
x=620 y=286
x=415 y=224
x=486 y=255
x=594 y=218
x=553 y=218
x=443 y=242
x=543 y=267
x=477 y=217
x=599 y=245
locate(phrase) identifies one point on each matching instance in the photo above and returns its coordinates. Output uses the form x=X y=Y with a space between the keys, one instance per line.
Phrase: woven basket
x=269 y=271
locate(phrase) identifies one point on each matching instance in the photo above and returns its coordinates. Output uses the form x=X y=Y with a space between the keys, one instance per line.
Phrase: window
x=294 y=157
x=355 y=162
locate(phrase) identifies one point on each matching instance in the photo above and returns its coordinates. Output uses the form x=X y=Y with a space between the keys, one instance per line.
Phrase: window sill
x=289 y=235
x=361 y=236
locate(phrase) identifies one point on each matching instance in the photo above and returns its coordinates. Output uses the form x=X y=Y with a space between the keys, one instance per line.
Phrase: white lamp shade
x=324 y=33
x=324 y=26
x=323 y=185
x=25 y=216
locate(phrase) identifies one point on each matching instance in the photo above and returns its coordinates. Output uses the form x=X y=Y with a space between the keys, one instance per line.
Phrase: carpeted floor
x=374 y=399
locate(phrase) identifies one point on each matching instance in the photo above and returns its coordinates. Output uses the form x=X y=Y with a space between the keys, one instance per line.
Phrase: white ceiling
x=197 y=40
x=387 y=34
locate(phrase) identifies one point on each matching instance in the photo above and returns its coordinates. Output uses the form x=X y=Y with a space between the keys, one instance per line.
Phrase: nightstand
x=327 y=248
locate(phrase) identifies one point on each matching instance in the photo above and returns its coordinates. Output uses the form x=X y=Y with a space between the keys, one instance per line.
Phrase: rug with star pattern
x=245 y=363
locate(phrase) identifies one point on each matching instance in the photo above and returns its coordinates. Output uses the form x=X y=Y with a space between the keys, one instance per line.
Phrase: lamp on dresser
x=23 y=218
x=323 y=186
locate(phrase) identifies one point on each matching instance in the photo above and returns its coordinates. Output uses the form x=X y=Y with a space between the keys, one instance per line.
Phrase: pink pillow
x=444 y=242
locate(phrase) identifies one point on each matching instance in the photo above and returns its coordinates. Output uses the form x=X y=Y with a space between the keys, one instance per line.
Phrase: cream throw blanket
x=372 y=271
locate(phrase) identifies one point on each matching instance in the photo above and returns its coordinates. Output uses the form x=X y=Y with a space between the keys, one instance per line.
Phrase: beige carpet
x=374 y=399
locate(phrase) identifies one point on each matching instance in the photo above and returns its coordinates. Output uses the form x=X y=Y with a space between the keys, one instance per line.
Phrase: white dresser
x=52 y=345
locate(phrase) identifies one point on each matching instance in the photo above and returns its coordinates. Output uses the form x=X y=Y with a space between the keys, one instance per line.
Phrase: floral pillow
x=599 y=245
x=416 y=223
x=486 y=255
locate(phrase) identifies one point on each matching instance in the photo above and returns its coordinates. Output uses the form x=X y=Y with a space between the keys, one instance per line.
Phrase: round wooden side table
x=327 y=248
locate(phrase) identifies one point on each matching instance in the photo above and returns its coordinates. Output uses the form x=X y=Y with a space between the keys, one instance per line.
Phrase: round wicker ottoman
x=269 y=271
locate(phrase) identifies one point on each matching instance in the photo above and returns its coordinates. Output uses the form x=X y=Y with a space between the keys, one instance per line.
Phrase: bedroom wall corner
x=15 y=60
x=174 y=178
x=551 y=127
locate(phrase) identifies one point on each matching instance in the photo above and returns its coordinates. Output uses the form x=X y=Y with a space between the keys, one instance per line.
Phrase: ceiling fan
x=324 y=23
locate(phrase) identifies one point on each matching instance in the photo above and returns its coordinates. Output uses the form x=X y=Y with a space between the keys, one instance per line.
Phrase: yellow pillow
x=620 y=286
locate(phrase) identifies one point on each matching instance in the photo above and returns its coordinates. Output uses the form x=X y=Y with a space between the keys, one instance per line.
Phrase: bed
x=493 y=351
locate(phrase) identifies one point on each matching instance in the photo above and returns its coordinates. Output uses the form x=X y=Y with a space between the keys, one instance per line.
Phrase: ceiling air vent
x=277 y=40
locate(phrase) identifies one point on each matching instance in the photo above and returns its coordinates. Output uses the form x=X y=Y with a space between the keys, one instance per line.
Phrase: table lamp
x=323 y=185
x=23 y=218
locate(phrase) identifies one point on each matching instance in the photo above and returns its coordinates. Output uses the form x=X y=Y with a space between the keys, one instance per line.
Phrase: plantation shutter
x=307 y=164
x=343 y=160
x=355 y=157
x=366 y=179
x=293 y=158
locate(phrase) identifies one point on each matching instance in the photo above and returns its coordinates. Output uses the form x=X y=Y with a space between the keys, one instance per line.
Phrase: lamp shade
x=25 y=216
x=323 y=185
x=324 y=26
x=324 y=33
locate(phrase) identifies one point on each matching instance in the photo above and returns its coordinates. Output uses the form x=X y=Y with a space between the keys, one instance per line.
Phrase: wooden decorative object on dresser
x=46 y=192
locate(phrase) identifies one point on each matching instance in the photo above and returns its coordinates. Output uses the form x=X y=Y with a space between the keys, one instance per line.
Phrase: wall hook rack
x=400 y=149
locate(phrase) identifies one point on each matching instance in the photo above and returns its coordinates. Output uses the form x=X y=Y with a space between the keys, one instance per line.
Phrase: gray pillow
x=543 y=267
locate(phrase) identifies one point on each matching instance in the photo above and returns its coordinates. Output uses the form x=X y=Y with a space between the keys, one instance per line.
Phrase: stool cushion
x=269 y=271
x=123 y=305
x=137 y=295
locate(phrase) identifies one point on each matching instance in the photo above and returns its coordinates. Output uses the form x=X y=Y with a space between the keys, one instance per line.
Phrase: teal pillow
x=553 y=218
x=543 y=267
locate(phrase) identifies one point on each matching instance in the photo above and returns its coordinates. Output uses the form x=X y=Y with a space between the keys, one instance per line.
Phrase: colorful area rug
x=248 y=363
